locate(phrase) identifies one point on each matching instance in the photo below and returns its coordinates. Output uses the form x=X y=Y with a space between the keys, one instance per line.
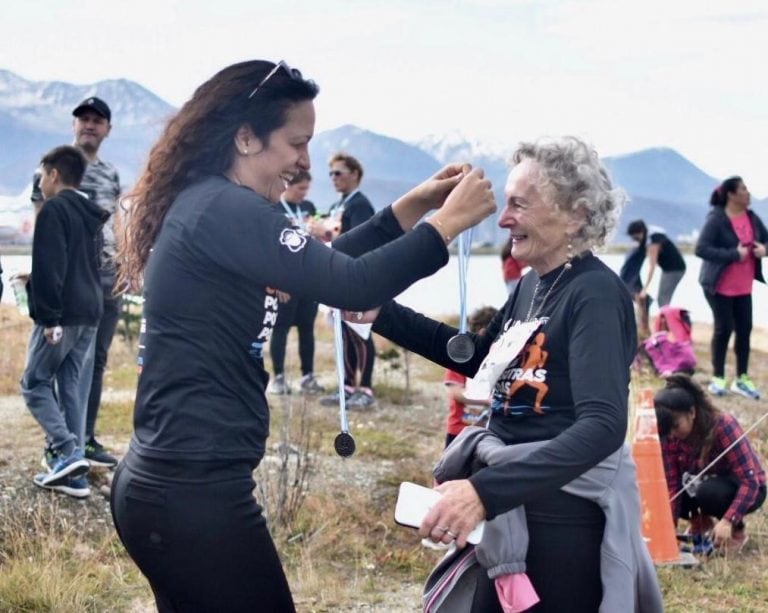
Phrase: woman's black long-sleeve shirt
x=210 y=307
x=569 y=386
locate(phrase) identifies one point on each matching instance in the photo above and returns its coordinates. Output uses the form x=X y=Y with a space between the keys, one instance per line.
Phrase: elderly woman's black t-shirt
x=569 y=386
x=210 y=307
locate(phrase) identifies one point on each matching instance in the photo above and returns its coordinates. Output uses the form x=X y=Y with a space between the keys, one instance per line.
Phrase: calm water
x=440 y=295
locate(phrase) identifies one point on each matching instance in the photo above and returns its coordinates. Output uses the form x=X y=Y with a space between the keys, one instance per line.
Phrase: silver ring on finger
x=451 y=534
x=443 y=529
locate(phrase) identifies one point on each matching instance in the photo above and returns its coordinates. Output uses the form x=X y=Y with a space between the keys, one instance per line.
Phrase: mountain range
x=664 y=187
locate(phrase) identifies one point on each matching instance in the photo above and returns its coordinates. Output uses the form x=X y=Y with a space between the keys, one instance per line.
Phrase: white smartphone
x=414 y=501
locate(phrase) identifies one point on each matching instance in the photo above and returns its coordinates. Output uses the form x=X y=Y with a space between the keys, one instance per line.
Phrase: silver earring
x=569 y=256
x=245 y=150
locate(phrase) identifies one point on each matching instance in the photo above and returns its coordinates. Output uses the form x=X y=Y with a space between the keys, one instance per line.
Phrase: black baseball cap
x=94 y=104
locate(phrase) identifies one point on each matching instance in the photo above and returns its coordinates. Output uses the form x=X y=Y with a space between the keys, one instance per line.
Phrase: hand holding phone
x=414 y=502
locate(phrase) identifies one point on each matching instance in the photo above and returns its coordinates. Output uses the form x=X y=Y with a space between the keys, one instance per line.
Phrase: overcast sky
x=626 y=74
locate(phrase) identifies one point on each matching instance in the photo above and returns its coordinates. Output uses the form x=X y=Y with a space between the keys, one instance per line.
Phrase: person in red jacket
x=461 y=412
x=511 y=268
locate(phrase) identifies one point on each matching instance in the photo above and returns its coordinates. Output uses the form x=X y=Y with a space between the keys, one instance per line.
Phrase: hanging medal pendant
x=460 y=348
x=344 y=444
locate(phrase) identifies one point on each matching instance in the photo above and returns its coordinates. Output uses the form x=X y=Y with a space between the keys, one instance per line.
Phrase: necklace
x=549 y=291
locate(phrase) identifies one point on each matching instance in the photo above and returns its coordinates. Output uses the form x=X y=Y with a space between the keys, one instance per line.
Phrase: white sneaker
x=279 y=386
x=310 y=386
x=717 y=386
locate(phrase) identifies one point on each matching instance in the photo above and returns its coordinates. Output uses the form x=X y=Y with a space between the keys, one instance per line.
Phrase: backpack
x=676 y=321
x=670 y=347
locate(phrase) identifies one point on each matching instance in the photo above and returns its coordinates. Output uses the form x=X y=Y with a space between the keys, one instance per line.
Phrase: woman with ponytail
x=693 y=434
x=211 y=250
x=732 y=243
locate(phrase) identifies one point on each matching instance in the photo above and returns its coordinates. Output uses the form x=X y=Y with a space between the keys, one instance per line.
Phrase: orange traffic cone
x=658 y=527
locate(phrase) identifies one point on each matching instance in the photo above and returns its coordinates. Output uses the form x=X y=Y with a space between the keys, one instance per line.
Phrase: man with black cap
x=101 y=184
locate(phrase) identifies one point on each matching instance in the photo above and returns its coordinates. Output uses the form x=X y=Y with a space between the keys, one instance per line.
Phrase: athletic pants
x=731 y=314
x=563 y=561
x=359 y=354
x=104 y=334
x=714 y=496
x=197 y=534
x=299 y=312
x=667 y=285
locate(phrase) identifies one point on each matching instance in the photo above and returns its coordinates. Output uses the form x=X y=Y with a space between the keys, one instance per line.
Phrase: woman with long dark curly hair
x=694 y=432
x=211 y=250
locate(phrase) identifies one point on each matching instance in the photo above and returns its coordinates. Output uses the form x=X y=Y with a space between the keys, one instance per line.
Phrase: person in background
x=693 y=434
x=299 y=312
x=65 y=303
x=352 y=209
x=92 y=123
x=662 y=252
x=630 y=274
x=731 y=245
x=461 y=411
x=209 y=243
x=511 y=269
x=573 y=325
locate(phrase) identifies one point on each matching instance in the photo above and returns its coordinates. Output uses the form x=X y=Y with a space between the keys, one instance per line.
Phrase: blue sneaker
x=74 y=465
x=698 y=544
x=77 y=487
x=97 y=455
x=744 y=386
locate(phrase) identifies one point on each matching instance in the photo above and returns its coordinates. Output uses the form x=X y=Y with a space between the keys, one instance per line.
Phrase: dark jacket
x=64 y=287
x=718 y=243
x=356 y=210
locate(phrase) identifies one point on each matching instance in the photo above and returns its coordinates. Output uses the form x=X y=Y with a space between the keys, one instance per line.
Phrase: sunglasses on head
x=293 y=73
x=336 y=173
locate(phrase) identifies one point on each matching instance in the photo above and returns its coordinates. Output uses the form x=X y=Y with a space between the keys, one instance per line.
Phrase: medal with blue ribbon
x=460 y=347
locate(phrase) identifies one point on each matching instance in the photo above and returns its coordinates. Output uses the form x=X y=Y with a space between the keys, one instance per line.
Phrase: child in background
x=461 y=414
x=693 y=434
x=65 y=302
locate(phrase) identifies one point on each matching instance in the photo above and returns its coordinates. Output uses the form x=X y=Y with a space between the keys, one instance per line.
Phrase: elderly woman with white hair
x=565 y=341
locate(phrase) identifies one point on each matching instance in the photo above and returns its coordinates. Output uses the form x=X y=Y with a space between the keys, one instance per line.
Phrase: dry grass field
x=331 y=518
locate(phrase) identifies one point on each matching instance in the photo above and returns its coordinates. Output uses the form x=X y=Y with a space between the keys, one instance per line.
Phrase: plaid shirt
x=741 y=462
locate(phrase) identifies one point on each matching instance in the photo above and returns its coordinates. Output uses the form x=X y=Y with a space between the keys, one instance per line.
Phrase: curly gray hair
x=571 y=174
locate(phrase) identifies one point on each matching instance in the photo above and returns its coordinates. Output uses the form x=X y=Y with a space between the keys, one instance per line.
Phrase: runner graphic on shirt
x=534 y=358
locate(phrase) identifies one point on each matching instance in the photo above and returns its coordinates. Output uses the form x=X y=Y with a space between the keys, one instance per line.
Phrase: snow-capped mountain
x=665 y=188
x=47 y=105
x=455 y=145
x=36 y=116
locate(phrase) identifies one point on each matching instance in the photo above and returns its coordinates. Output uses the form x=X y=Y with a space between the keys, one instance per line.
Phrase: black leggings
x=731 y=314
x=299 y=312
x=196 y=533
x=714 y=496
x=359 y=353
x=563 y=561
x=104 y=334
